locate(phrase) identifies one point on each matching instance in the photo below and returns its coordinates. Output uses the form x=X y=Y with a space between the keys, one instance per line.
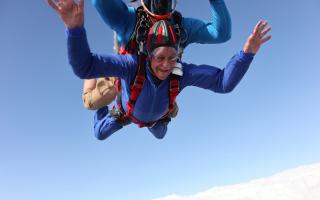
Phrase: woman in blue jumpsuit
x=123 y=19
x=153 y=101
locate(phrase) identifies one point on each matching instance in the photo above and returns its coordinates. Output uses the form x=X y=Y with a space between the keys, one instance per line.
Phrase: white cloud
x=301 y=183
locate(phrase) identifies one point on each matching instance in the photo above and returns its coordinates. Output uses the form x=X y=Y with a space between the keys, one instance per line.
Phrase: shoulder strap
x=135 y=90
x=173 y=90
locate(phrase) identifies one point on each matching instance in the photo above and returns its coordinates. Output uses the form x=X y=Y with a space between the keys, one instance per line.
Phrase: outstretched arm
x=225 y=80
x=217 y=30
x=85 y=64
x=234 y=72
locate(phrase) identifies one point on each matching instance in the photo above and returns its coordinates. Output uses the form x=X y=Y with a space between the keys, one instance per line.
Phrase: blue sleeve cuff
x=246 y=56
x=75 y=31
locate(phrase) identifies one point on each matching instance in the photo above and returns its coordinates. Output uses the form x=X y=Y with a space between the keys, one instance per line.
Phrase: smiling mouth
x=164 y=71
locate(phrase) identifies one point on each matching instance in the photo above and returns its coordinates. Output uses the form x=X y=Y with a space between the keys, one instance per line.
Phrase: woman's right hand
x=70 y=12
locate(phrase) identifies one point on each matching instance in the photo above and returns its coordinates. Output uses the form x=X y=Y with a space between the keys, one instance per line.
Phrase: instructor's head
x=160 y=9
x=162 y=47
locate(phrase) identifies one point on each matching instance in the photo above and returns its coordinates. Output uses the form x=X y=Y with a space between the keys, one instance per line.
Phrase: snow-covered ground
x=302 y=183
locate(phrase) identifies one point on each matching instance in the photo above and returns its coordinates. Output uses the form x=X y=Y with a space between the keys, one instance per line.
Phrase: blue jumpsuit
x=153 y=101
x=122 y=19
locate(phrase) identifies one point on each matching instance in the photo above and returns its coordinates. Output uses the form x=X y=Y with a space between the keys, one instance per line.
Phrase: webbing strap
x=173 y=90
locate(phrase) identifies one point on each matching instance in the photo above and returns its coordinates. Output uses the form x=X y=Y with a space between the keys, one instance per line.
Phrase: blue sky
x=269 y=123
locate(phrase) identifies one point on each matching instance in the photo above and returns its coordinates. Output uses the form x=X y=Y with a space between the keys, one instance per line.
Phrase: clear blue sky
x=269 y=123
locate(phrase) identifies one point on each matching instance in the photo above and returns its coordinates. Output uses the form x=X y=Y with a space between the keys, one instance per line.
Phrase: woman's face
x=163 y=61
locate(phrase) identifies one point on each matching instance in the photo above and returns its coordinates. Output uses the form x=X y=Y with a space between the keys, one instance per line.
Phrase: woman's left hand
x=257 y=37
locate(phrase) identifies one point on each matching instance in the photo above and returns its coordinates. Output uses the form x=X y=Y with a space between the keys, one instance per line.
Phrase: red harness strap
x=137 y=85
x=173 y=90
x=136 y=89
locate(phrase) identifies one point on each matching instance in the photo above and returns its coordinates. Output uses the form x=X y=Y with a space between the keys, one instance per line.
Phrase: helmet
x=163 y=33
x=159 y=8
